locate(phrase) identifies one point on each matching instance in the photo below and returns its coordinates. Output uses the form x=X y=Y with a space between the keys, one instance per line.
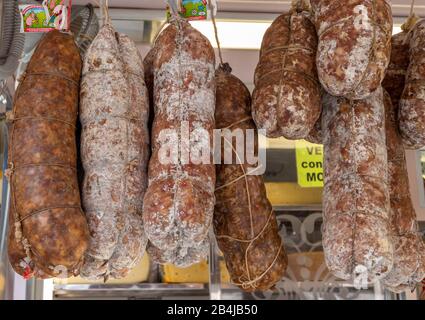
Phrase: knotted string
x=246 y=281
x=214 y=22
x=411 y=21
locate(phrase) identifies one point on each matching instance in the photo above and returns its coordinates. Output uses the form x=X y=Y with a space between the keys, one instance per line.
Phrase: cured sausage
x=356 y=234
x=183 y=256
x=115 y=149
x=315 y=135
x=48 y=232
x=244 y=221
x=412 y=111
x=395 y=75
x=149 y=80
x=409 y=253
x=180 y=257
x=354 y=45
x=179 y=203
x=286 y=99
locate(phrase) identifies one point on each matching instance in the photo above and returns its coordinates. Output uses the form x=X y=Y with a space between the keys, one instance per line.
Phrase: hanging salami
x=354 y=45
x=356 y=234
x=48 y=231
x=244 y=221
x=179 y=203
x=409 y=248
x=115 y=148
x=286 y=99
x=412 y=111
x=315 y=135
x=180 y=257
x=395 y=75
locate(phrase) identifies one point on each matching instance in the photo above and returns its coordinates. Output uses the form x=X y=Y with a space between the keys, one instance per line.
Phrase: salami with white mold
x=356 y=235
x=114 y=114
x=286 y=99
x=181 y=257
x=412 y=103
x=354 y=45
x=179 y=203
x=395 y=75
x=409 y=253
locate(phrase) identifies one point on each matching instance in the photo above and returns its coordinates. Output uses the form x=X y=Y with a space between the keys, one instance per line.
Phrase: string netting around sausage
x=283 y=62
x=289 y=48
x=248 y=282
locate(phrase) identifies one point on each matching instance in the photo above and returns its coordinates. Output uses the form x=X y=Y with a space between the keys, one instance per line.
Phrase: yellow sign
x=309 y=164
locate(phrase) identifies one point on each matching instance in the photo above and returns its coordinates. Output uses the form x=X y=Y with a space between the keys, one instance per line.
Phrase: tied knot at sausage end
x=22 y=77
x=9 y=171
x=225 y=67
x=10 y=116
x=410 y=23
x=299 y=6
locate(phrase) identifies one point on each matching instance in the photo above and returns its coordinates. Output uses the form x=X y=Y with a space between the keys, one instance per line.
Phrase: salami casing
x=48 y=232
x=115 y=149
x=286 y=99
x=409 y=253
x=179 y=203
x=412 y=111
x=180 y=257
x=354 y=45
x=395 y=75
x=356 y=234
x=315 y=135
x=149 y=80
x=244 y=221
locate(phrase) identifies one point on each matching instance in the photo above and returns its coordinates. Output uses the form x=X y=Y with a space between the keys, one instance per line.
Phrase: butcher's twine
x=212 y=9
x=247 y=282
x=288 y=48
x=9 y=173
x=53 y=74
x=411 y=21
x=300 y=6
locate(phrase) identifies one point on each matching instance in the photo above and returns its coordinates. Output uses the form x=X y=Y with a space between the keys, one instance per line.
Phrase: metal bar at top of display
x=400 y=7
x=159 y=15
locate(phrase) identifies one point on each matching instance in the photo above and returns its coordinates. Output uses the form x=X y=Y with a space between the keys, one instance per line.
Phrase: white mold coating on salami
x=181 y=257
x=408 y=243
x=286 y=99
x=412 y=111
x=356 y=236
x=179 y=203
x=114 y=113
x=354 y=45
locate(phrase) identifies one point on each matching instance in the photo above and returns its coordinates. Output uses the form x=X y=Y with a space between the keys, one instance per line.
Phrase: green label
x=50 y=15
x=192 y=9
x=309 y=164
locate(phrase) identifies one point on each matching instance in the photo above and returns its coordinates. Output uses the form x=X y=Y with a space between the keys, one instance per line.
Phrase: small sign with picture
x=50 y=15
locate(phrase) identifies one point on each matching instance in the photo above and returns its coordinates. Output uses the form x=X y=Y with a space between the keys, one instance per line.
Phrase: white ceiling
x=400 y=7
